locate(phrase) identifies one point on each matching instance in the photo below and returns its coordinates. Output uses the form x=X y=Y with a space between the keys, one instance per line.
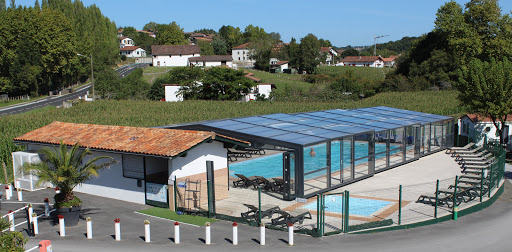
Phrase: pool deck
x=417 y=177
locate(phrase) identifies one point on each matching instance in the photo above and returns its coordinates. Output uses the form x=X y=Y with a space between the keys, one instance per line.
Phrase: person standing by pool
x=312 y=152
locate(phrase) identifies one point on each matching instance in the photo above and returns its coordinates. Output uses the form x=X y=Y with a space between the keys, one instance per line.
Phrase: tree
x=206 y=47
x=349 y=52
x=13 y=4
x=325 y=43
x=233 y=36
x=292 y=49
x=107 y=83
x=66 y=170
x=144 y=40
x=2 y=6
x=171 y=34
x=206 y=31
x=37 y=6
x=151 y=26
x=219 y=83
x=219 y=46
x=486 y=88
x=129 y=31
x=309 y=54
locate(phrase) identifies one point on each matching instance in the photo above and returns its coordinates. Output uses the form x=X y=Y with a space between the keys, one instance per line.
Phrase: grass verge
x=171 y=215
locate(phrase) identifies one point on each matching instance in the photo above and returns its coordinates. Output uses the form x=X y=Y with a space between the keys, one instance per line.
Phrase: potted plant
x=65 y=169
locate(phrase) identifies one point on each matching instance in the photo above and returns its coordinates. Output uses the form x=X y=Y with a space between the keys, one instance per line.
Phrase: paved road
x=57 y=100
x=487 y=230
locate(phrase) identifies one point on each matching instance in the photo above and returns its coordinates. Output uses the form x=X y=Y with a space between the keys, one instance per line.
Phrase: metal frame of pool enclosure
x=348 y=144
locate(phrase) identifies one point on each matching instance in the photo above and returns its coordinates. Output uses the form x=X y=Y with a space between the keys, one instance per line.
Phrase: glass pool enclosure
x=318 y=151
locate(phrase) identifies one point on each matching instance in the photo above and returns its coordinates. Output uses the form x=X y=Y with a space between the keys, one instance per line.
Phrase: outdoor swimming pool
x=272 y=165
x=357 y=206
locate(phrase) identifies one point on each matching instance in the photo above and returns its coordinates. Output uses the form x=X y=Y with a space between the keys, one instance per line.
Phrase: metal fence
x=334 y=213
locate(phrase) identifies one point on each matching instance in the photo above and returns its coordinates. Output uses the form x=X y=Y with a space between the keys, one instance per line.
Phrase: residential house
x=330 y=54
x=125 y=41
x=147 y=160
x=262 y=89
x=174 y=55
x=471 y=125
x=390 y=61
x=242 y=55
x=133 y=51
x=279 y=67
x=150 y=33
x=211 y=61
x=364 y=61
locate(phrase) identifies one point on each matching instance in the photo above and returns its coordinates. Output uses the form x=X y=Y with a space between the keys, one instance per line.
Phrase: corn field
x=370 y=73
x=154 y=113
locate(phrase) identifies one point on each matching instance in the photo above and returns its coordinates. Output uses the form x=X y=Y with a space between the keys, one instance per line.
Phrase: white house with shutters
x=132 y=51
x=364 y=61
x=211 y=61
x=242 y=55
x=470 y=124
x=125 y=41
x=174 y=55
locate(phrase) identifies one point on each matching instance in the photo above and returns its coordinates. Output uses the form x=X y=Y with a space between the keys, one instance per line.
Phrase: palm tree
x=66 y=170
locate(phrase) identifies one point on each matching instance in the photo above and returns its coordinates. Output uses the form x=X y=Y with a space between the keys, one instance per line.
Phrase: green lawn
x=171 y=215
x=282 y=81
x=154 y=69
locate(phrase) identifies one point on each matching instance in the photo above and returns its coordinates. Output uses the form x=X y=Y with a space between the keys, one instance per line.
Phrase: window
x=133 y=166
x=238 y=58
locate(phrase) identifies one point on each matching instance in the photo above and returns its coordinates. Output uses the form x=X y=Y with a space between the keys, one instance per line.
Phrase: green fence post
x=482 y=185
x=175 y=195
x=259 y=205
x=323 y=214
x=437 y=197
x=489 y=187
x=343 y=213
x=400 y=205
x=318 y=214
x=455 y=209
x=347 y=209
x=209 y=197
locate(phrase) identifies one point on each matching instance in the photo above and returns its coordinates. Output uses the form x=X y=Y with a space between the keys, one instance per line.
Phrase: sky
x=343 y=22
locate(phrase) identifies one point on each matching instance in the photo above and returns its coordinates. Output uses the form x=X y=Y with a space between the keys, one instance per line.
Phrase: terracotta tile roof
x=388 y=59
x=175 y=49
x=149 y=141
x=280 y=63
x=478 y=118
x=212 y=58
x=361 y=58
x=325 y=49
x=129 y=48
x=242 y=46
x=121 y=38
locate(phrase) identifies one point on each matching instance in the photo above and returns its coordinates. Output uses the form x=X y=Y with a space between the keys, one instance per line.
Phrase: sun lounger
x=253 y=211
x=237 y=153
x=290 y=217
x=431 y=199
x=245 y=181
x=477 y=162
x=465 y=147
x=255 y=151
x=472 y=177
x=473 y=151
x=269 y=184
x=480 y=156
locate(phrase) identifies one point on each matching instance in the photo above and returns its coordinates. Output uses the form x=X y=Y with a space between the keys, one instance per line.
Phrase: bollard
x=46 y=207
x=455 y=212
x=235 y=233
x=10 y=191
x=11 y=220
x=20 y=195
x=57 y=190
x=30 y=212
x=117 y=227
x=290 y=234
x=262 y=234
x=176 y=232
x=17 y=184
x=35 y=223
x=147 y=234
x=61 y=224
x=7 y=193
x=208 y=234
x=88 y=220
x=45 y=246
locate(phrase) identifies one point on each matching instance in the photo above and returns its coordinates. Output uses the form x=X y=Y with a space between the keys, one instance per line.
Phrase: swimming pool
x=272 y=165
x=357 y=206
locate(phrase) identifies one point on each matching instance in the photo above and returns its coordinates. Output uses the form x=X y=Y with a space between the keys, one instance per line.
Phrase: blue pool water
x=357 y=206
x=272 y=165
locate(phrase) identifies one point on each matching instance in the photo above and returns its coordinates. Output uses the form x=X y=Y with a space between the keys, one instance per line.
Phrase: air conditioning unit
x=24 y=180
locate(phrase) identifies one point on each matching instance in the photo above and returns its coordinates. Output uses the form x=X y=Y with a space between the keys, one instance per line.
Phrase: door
x=156 y=175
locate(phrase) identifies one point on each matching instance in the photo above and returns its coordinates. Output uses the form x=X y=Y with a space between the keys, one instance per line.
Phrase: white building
x=172 y=92
x=364 y=61
x=330 y=53
x=125 y=41
x=471 y=124
x=263 y=90
x=132 y=51
x=147 y=159
x=174 y=55
x=391 y=61
x=242 y=55
x=211 y=61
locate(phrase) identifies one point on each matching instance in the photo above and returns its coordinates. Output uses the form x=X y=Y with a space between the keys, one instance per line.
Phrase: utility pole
x=92 y=75
x=375 y=43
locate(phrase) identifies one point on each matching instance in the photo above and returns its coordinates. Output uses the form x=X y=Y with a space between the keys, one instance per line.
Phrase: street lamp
x=92 y=76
